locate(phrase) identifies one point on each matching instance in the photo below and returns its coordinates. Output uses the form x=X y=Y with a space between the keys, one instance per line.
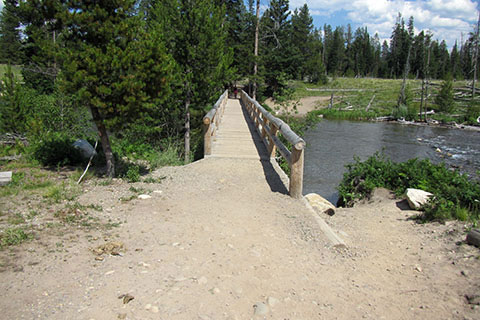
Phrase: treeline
x=146 y=71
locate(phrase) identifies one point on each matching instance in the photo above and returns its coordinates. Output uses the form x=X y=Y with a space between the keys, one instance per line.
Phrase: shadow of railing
x=271 y=175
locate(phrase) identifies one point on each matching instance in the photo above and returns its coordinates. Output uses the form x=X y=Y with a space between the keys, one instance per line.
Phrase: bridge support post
x=207 y=139
x=296 y=174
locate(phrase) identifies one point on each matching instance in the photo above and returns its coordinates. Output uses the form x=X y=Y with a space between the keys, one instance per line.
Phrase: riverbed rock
x=417 y=198
x=320 y=204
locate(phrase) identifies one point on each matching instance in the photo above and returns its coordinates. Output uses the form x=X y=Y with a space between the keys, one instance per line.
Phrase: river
x=332 y=144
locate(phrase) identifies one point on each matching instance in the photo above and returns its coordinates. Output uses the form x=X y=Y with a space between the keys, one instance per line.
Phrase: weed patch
x=14 y=236
x=455 y=196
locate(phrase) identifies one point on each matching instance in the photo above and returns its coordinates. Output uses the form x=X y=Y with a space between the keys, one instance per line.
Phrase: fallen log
x=473 y=237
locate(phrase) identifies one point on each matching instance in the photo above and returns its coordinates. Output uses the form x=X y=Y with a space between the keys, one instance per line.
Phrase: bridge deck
x=236 y=136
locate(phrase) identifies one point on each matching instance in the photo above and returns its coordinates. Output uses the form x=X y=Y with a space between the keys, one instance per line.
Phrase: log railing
x=211 y=122
x=269 y=126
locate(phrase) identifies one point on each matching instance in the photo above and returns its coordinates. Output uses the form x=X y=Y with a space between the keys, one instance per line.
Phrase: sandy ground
x=220 y=239
x=304 y=106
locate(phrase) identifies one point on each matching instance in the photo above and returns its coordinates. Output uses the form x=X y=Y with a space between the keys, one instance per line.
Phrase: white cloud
x=446 y=19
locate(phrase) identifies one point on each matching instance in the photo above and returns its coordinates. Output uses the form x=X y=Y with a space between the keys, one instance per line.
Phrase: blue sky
x=446 y=19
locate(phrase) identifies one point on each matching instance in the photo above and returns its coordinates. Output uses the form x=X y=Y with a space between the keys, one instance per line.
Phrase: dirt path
x=304 y=106
x=214 y=242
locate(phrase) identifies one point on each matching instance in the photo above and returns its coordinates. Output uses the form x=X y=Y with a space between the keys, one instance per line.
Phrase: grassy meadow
x=352 y=96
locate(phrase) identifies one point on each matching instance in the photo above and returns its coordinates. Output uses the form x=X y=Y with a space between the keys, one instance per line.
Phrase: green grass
x=357 y=93
x=17 y=71
x=14 y=236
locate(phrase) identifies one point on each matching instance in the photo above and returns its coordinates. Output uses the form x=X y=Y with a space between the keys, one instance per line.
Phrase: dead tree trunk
x=255 y=66
x=187 y=127
x=475 y=57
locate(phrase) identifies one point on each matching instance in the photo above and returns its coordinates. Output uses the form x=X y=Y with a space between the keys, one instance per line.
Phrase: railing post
x=272 y=149
x=296 y=174
x=207 y=139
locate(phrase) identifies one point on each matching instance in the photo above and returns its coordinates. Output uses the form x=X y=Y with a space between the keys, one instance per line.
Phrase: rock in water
x=320 y=204
x=417 y=198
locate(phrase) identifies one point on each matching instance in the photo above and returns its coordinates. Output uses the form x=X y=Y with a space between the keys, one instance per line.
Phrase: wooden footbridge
x=242 y=128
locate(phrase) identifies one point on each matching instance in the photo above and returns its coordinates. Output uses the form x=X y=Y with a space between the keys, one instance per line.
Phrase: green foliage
x=133 y=174
x=10 y=44
x=455 y=196
x=444 y=99
x=14 y=236
x=55 y=149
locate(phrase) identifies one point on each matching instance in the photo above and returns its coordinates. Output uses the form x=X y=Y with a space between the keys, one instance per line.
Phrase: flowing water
x=332 y=144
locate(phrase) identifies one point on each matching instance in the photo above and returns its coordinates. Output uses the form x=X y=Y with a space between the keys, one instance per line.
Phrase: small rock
x=144 y=196
x=122 y=316
x=464 y=273
x=260 y=309
x=158 y=191
x=271 y=301
x=148 y=307
x=202 y=280
x=473 y=299
x=143 y=264
x=126 y=298
x=154 y=309
x=99 y=258
x=419 y=269
x=109 y=272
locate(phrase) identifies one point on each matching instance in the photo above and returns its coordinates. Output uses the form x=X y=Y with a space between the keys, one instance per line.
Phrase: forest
x=138 y=76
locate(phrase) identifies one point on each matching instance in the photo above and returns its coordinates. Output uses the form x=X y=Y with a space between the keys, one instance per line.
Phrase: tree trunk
x=255 y=66
x=187 y=128
x=402 y=98
x=426 y=85
x=107 y=149
x=422 y=97
x=475 y=57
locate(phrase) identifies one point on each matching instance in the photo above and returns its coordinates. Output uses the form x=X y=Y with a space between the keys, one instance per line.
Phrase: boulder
x=5 y=178
x=320 y=204
x=417 y=198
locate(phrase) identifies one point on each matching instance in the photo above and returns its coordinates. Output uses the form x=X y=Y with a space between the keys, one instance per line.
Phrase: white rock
x=272 y=301
x=320 y=204
x=202 y=280
x=260 y=309
x=155 y=309
x=417 y=198
x=144 y=196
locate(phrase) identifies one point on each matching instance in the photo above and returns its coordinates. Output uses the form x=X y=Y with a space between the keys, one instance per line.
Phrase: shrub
x=455 y=195
x=55 y=149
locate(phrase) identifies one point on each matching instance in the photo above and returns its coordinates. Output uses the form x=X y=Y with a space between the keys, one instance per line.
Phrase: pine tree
x=302 y=26
x=276 y=50
x=196 y=35
x=10 y=45
x=42 y=31
x=112 y=65
x=444 y=99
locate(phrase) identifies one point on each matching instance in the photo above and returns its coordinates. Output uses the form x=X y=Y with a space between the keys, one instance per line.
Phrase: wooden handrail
x=268 y=126
x=211 y=122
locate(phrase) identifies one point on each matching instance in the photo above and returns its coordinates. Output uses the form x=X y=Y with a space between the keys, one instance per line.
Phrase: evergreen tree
x=10 y=45
x=276 y=50
x=302 y=26
x=455 y=63
x=112 y=65
x=196 y=35
x=444 y=99
x=336 y=53
x=42 y=31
